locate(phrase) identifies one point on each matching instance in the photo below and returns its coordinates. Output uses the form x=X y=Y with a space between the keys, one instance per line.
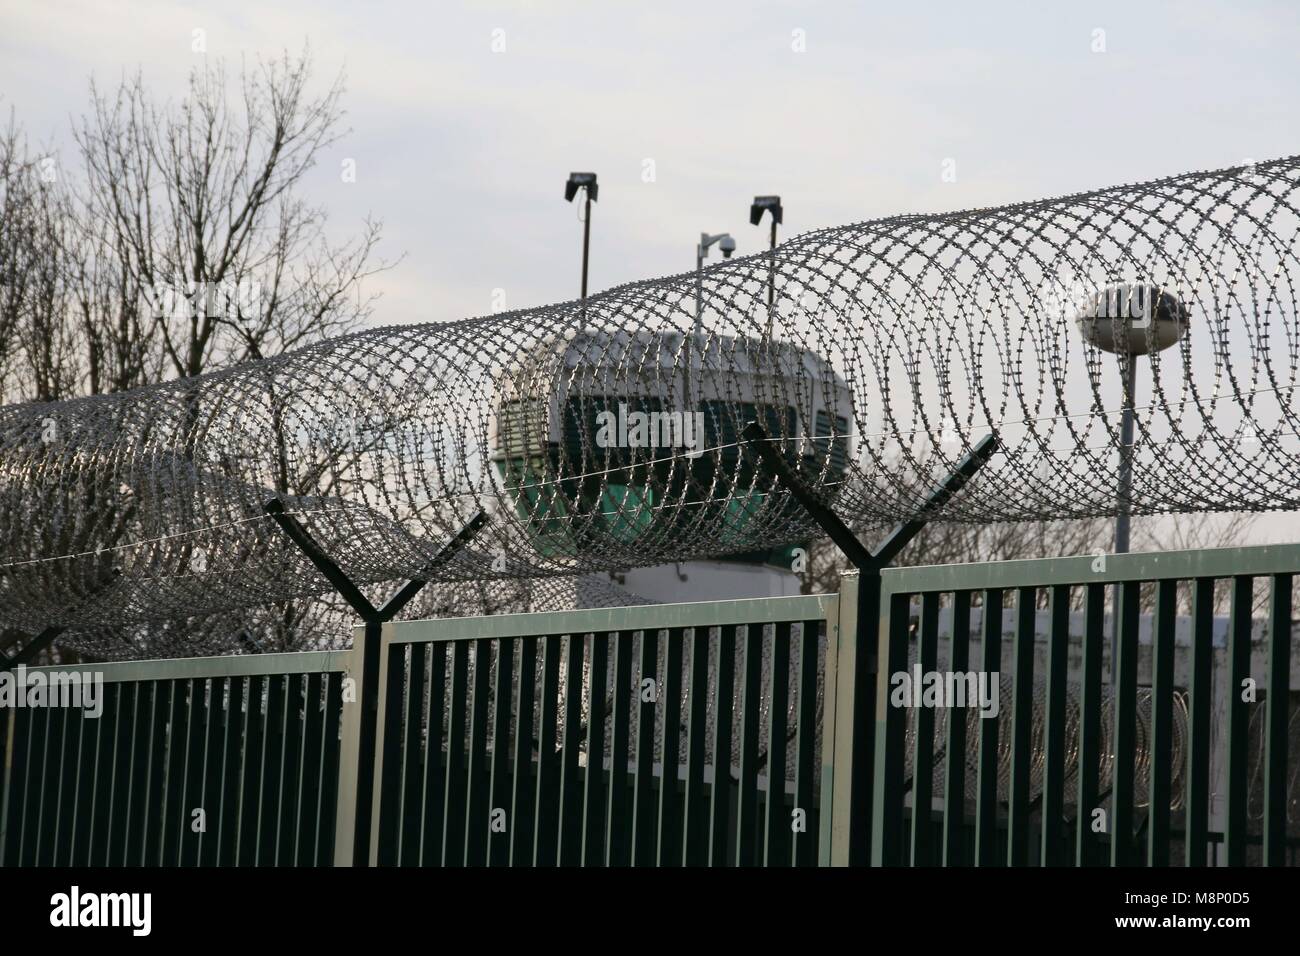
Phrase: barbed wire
x=604 y=435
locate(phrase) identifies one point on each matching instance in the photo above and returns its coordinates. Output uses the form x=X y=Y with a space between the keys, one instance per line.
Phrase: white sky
x=463 y=151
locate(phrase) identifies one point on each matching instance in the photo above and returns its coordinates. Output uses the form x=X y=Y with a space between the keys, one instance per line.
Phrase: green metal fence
x=753 y=732
x=963 y=818
x=603 y=737
x=205 y=761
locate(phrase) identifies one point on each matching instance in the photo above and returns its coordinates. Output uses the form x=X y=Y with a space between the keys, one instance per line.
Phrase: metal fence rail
x=205 y=761
x=603 y=737
x=911 y=822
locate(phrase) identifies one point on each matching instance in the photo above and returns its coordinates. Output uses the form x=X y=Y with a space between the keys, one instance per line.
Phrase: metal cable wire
x=606 y=435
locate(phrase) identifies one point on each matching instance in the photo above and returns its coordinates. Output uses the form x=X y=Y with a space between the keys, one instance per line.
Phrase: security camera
x=727 y=245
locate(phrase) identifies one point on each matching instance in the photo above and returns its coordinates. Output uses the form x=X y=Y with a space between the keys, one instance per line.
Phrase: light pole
x=1128 y=320
x=587 y=183
x=756 y=209
x=727 y=245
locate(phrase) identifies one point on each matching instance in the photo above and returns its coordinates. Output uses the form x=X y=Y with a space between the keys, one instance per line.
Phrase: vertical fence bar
x=1058 y=662
x=408 y=815
x=524 y=788
x=1022 y=726
x=747 y=798
x=668 y=848
x=1124 y=744
x=82 y=791
x=546 y=821
x=923 y=736
x=211 y=789
x=1199 y=740
x=695 y=849
x=272 y=770
x=986 y=781
x=153 y=772
x=231 y=761
x=618 y=834
x=1275 y=728
x=102 y=776
x=954 y=787
x=776 y=837
x=38 y=728
x=1094 y=616
x=570 y=827
x=1162 y=723
x=64 y=785
x=1238 y=717
x=498 y=837
x=254 y=768
x=476 y=808
x=723 y=706
x=386 y=831
x=15 y=744
x=331 y=779
x=887 y=846
x=454 y=801
x=643 y=826
x=594 y=787
x=434 y=792
x=304 y=851
x=804 y=852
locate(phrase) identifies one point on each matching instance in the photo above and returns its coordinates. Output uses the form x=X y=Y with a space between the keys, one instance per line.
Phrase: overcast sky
x=849 y=111
x=465 y=119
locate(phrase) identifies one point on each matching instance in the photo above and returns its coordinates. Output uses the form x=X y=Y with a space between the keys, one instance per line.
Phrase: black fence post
x=374 y=619
x=863 y=798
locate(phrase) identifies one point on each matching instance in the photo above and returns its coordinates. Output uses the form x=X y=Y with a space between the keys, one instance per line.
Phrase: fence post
x=857 y=823
x=359 y=802
x=345 y=818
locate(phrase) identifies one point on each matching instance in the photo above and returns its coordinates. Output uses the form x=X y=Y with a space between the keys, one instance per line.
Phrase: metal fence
x=1119 y=807
x=660 y=735
x=753 y=732
x=202 y=761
